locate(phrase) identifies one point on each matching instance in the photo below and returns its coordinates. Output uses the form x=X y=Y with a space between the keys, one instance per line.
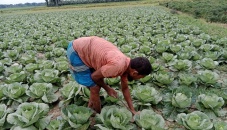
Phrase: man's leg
x=94 y=101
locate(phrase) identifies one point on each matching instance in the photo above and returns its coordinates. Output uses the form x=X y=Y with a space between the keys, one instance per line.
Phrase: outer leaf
x=43 y=122
x=24 y=128
x=3 y=114
x=101 y=127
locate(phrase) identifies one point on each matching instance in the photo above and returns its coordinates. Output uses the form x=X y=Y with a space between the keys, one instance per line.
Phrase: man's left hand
x=111 y=92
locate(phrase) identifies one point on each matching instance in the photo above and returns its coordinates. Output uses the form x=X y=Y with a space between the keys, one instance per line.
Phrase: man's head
x=139 y=67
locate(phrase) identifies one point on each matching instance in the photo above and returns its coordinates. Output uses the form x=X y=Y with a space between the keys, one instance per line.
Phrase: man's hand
x=134 y=113
x=111 y=92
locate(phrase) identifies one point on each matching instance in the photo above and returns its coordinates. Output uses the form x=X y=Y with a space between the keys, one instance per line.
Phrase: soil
x=40 y=55
x=56 y=110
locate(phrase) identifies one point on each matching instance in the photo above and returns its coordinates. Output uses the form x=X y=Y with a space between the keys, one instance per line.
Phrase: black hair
x=142 y=65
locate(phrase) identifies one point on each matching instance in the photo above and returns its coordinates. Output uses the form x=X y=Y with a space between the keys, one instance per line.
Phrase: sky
x=20 y=1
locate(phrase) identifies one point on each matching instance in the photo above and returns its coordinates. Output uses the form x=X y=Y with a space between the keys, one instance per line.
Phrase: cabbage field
x=187 y=89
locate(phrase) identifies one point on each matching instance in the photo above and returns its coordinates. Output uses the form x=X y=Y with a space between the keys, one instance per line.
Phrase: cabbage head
x=50 y=75
x=175 y=48
x=210 y=104
x=29 y=114
x=195 y=56
x=206 y=47
x=56 y=124
x=180 y=100
x=210 y=101
x=194 y=121
x=42 y=91
x=16 y=77
x=62 y=66
x=181 y=65
x=126 y=48
x=16 y=91
x=146 y=78
x=214 y=55
x=220 y=125
x=15 y=68
x=12 y=54
x=77 y=116
x=208 y=77
x=148 y=119
x=46 y=64
x=145 y=49
x=198 y=42
x=146 y=94
x=113 y=117
x=27 y=58
x=45 y=76
x=187 y=78
x=168 y=56
x=112 y=81
x=59 y=52
x=208 y=63
x=161 y=47
x=69 y=90
x=163 y=78
x=31 y=67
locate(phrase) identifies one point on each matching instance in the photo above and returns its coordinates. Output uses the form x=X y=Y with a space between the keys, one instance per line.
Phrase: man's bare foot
x=95 y=104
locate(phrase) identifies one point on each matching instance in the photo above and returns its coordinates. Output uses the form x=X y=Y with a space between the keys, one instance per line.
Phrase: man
x=92 y=59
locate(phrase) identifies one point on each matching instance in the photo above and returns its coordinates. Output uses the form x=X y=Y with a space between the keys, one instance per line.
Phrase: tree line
x=21 y=5
x=59 y=3
x=69 y=2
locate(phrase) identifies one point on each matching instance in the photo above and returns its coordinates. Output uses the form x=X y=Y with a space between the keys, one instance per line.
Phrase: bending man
x=92 y=59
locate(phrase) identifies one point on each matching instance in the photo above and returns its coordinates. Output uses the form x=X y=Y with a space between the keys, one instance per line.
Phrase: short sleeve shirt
x=99 y=53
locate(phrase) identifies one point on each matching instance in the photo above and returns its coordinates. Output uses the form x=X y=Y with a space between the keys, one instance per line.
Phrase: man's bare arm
x=98 y=78
x=126 y=93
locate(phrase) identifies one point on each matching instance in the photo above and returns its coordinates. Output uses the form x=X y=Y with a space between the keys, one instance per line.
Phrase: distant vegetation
x=21 y=5
x=211 y=10
x=59 y=3
x=69 y=2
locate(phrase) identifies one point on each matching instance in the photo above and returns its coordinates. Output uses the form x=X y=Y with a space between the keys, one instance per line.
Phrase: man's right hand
x=136 y=112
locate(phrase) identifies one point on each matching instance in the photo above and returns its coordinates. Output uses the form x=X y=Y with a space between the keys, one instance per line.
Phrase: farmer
x=92 y=59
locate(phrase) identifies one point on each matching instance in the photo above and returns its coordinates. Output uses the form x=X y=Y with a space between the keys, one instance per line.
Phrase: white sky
x=20 y=1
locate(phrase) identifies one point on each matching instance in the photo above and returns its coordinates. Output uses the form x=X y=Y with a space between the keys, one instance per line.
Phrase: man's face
x=134 y=76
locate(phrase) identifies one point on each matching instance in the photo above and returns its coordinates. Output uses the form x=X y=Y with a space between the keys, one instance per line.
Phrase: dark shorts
x=80 y=72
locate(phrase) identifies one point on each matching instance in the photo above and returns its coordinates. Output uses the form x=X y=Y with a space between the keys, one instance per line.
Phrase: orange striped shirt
x=98 y=53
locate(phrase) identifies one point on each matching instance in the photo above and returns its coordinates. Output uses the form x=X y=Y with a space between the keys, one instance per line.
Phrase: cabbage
x=148 y=119
x=195 y=121
x=112 y=117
